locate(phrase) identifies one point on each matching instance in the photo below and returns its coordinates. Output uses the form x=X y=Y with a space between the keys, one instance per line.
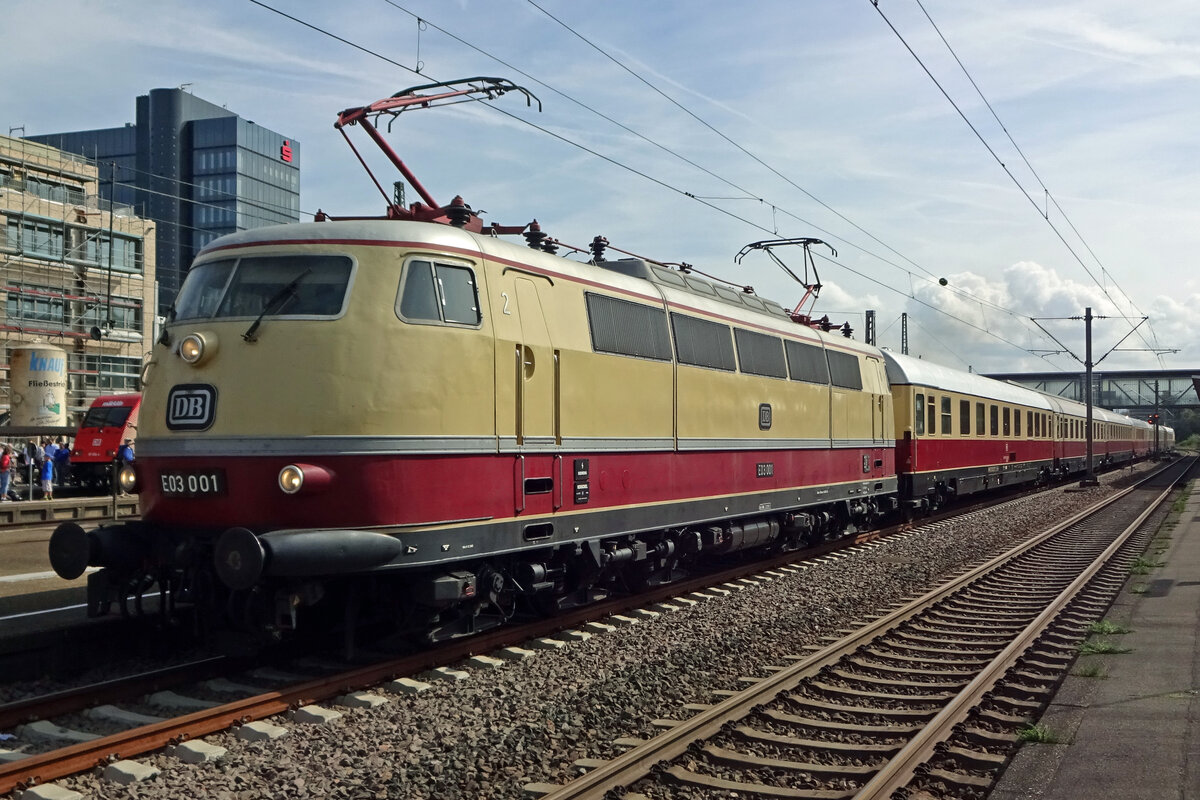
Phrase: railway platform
x=1132 y=730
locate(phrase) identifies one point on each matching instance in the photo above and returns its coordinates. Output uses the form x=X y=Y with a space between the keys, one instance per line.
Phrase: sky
x=682 y=131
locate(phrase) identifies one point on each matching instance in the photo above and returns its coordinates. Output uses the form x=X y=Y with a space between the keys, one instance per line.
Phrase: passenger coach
x=960 y=433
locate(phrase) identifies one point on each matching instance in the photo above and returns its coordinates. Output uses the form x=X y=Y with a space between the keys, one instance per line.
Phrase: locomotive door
x=537 y=371
x=881 y=412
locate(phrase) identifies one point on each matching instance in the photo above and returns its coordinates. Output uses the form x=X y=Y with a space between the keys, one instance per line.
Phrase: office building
x=197 y=169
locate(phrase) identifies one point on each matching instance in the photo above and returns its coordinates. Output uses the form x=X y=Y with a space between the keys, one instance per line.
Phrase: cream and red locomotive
x=417 y=419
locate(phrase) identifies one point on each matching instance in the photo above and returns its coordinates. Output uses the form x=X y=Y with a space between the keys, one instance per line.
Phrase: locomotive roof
x=671 y=283
x=694 y=284
x=919 y=372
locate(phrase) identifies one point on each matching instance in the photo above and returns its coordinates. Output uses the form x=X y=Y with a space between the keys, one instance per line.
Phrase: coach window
x=1007 y=424
x=1028 y=423
x=980 y=420
x=931 y=407
x=919 y=414
x=438 y=293
x=995 y=413
x=964 y=417
x=947 y=422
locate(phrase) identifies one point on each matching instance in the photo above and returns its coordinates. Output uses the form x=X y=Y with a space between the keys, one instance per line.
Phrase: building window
x=27 y=303
x=37 y=238
x=106 y=373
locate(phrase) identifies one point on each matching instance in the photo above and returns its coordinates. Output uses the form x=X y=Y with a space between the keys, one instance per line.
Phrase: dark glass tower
x=198 y=170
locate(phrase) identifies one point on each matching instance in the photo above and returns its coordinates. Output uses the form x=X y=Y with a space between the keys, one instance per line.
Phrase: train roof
x=903 y=369
x=626 y=274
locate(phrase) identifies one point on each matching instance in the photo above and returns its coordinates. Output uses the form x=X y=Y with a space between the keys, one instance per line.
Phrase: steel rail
x=636 y=763
x=899 y=771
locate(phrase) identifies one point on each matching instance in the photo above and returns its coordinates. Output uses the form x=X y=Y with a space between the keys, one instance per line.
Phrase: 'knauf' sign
x=38 y=382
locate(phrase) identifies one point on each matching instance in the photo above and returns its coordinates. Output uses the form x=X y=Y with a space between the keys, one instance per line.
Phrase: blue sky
x=774 y=104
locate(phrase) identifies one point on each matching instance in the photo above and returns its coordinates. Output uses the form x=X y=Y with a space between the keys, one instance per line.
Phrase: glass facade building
x=198 y=170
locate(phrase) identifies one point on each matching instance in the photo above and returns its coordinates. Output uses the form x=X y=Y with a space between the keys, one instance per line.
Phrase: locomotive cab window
x=279 y=286
x=438 y=293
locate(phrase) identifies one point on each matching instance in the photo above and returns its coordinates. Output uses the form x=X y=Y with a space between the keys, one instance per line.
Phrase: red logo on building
x=285 y=152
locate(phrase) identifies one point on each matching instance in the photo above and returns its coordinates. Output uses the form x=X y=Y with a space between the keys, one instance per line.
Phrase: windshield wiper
x=276 y=303
x=165 y=336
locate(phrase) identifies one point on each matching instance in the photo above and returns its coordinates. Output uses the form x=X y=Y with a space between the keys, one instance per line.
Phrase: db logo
x=191 y=407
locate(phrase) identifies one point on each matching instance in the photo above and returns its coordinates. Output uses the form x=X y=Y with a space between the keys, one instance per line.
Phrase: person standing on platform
x=50 y=450
x=62 y=463
x=7 y=462
x=47 y=478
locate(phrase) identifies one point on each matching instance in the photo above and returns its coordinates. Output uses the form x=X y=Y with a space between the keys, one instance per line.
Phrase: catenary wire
x=652 y=179
x=748 y=195
x=998 y=160
x=1032 y=171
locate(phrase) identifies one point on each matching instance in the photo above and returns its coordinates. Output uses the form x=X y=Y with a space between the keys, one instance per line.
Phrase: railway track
x=301 y=693
x=924 y=702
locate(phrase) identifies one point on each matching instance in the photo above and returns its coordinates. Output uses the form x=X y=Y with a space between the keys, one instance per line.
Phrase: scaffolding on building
x=76 y=271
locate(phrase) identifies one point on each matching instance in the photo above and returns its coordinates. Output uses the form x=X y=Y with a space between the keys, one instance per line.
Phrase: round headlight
x=127 y=479
x=191 y=348
x=197 y=348
x=291 y=478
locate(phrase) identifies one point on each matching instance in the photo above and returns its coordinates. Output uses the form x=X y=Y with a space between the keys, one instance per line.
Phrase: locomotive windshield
x=244 y=287
x=106 y=417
